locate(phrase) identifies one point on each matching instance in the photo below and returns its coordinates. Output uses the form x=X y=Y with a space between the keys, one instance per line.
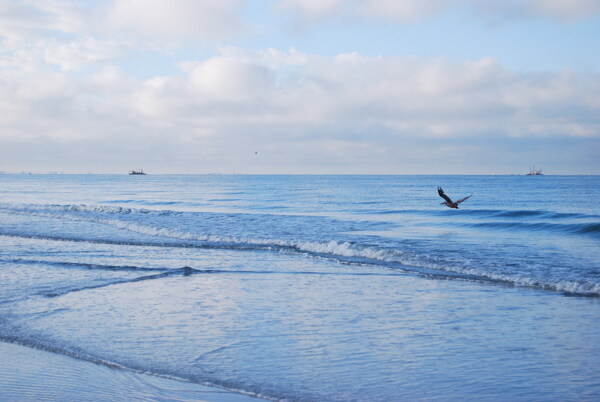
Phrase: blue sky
x=520 y=42
x=300 y=86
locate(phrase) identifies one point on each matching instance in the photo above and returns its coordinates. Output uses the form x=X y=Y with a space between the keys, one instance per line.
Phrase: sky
x=300 y=86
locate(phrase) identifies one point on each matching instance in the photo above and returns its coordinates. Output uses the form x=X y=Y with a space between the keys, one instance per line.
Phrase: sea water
x=312 y=287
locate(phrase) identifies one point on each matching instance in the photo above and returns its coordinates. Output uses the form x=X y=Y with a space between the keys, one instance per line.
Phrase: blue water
x=312 y=287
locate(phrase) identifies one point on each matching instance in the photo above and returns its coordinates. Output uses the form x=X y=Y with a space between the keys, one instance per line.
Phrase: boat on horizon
x=534 y=172
x=137 y=172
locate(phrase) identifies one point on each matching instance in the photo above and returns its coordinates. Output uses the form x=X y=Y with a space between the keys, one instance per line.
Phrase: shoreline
x=28 y=373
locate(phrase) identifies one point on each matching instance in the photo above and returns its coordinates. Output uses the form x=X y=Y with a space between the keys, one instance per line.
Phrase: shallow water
x=29 y=374
x=312 y=287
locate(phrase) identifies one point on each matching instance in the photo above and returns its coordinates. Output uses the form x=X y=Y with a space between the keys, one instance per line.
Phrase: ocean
x=324 y=288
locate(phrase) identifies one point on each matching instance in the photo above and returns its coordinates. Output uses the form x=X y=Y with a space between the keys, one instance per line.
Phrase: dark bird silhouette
x=449 y=203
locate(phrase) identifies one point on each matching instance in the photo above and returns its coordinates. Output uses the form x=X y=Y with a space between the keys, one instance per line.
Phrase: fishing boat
x=534 y=172
x=137 y=171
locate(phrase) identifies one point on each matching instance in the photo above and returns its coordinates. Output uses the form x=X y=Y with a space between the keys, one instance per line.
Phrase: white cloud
x=413 y=10
x=409 y=96
x=78 y=54
x=74 y=54
x=564 y=11
x=43 y=87
x=28 y=17
x=68 y=82
x=406 y=96
x=73 y=34
x=407 y=10
x=200 y=20
x=311 y=9
x=229 y=78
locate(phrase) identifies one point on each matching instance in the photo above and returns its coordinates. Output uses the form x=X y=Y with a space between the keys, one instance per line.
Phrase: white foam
x=332 y=248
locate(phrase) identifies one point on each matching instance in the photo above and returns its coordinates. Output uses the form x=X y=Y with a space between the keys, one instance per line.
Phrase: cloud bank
x=70 y=99
x=281 y=102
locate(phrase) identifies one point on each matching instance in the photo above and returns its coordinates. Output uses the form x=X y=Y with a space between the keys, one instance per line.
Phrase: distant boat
x=533 y=172
x=137 y=171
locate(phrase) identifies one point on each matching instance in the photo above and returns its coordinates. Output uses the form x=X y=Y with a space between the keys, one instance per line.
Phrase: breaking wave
x=350 y=252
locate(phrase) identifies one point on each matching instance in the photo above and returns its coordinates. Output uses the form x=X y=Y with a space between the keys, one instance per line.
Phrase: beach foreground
x=28 y=374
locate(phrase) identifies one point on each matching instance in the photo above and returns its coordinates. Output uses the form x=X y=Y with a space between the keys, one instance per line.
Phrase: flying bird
x=449 y=203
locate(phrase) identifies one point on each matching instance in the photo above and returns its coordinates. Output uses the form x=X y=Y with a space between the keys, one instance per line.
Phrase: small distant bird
x=449 y=203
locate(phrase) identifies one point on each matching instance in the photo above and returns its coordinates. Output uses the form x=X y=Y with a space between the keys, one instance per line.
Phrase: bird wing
x=444 y=196
x=462 y=199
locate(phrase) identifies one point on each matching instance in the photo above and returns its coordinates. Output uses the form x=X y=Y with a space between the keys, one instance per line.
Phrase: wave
x=489 y=213
x=224 y=199
x=349 y=253
x=590 y=228
x=80 y=265
x=528 y=213
x=186 y=271
x=528 y=220
x=50 y=210
x=117 y=210
x=574 y=228
x=189 y=271
x=424 y=264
